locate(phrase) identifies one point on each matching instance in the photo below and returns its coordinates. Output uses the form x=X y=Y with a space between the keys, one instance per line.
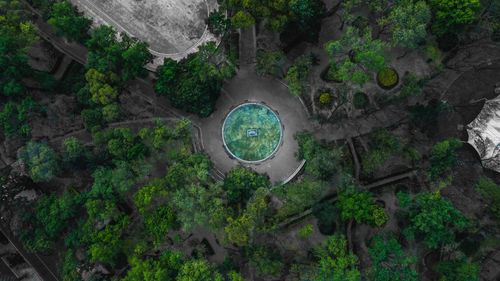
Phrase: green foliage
x=410 y=20
x=159 y=222
x=154 y=190
x=320 y=162
x=491 y=194
x=198 y=270
x=386 y=145
x=305 y=232
x=69 y=272
x=126 y=58
x=105 y=244
x=390 y=262
x=67 y=21
x=272 y=63
x=423 y=115
x=355 y=54
x=412 y=86
x=194 y=169
x=41 y=161
x=327 y=215
x=111 y=112
x=432 y=216
x=309 y=14
x=360 y=100
x=14 y=115
x=335 y=263
x=123 y=144
x=100 y=86
x=444 y=157
x=296 y=76
x=194 y=83
x=298 y=196
x=325 y=98
x=387 y=78
x=218 y=23
x=199 y=206
x=51 y=218
x=265 y=259
x=459 y=269
x=166 y=267
x=100 y=210
x=242 y=20
x=240 y=184
x=452 y=16
x=252 y=220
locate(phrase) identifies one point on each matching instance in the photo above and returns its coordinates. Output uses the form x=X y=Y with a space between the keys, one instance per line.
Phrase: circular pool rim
x=277 y=145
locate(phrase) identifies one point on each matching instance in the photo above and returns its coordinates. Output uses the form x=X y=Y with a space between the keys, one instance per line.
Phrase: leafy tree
x=298 y=196
x=410 y=21
x=272 y=63
x=100 y=210
x=452 y=16
x=335 y=262
x=159 y=222
x=265 y=259
x=432 y=216
x=218 y=23
x=252 y=220
x=390 y=262
x=459 y=269
x=41 y=161
x=69 y=272
x=296 y=76
x=198 y=206
x=490 y=191
x=356 y=54
x=444 y=157
x=309 y=14
x=320 y=162
x=242 y=20
x=327 y=215
x=14 y=115
x=166 y=267
x=100 y=86
x=240 y=184
x=198 y=270
x=105 y=244
x=194 y=83
x=422 y=116
x=194 y=169
x=111 y=112
x=154 y=190
x=305 y=232
x=67 y=21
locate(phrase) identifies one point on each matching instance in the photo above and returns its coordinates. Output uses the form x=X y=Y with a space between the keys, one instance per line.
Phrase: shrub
x=305 y=232
x=325 y=99
x=360 y=100
x=387 y=78
x=41 y=160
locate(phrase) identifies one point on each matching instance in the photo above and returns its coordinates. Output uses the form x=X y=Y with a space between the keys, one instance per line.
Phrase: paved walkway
x=248 y=86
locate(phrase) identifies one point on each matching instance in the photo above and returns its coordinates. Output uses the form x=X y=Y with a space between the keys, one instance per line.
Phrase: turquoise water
x=239 y=132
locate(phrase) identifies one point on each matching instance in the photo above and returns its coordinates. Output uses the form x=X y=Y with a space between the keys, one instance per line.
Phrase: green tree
x=105 y=244
x=240 y=184
x=272 y=63
x=410 y=20
x=69 y=272
x=265 y=259
x=194 y=83
x=154 y=190
x=335 y=262
x=355 y=54
x=432 y=216
x=320 y=162
x=459 y=269
x=242 y=20
x=198 y=270
x=67 y=21
x=198 y=206
x=490 y=191
x=165 y=268
x=309 y=14
x=390 y=262
x=100 y=86
x=159 y=222
x=444 y=157
x=296 y=76
x=41 y=161
x=452 y=16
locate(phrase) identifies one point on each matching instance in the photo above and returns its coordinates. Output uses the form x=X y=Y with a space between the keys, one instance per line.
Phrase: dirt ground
x=167 y=26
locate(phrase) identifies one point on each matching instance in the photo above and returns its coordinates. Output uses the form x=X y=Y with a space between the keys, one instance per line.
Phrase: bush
x=41 y=160
x=360 y=100
x=387 y=78
x=305 y=232
x=325 y=99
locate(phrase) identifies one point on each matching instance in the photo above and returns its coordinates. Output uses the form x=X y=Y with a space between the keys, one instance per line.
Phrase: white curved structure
x=484 y=134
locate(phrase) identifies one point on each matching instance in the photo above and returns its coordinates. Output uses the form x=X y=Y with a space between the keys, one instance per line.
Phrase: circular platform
x=252 y=132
